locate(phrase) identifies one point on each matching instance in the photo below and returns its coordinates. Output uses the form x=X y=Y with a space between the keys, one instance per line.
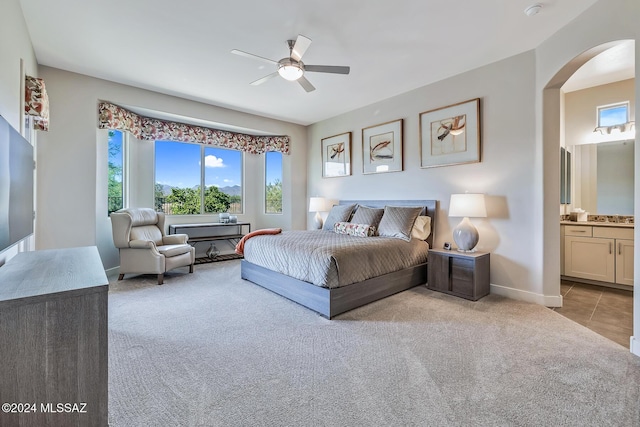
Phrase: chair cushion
x=147 y=232
x=174 y=250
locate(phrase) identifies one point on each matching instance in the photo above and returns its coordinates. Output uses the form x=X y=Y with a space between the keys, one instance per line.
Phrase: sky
x=178 y=165
x=613 y=116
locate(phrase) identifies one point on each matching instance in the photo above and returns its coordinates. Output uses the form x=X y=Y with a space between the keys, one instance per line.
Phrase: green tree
x=215 y=200
x=159 y=198
x=114 y=180
x=274 y=197
x=184 y=201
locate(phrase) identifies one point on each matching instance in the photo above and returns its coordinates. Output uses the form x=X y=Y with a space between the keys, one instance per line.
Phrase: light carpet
x=209 y=349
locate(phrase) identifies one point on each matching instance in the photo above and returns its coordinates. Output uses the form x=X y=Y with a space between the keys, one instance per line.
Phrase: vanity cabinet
x=601 y=253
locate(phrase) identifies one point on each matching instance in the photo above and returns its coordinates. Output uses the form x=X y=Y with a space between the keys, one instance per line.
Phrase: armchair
x=138 y=233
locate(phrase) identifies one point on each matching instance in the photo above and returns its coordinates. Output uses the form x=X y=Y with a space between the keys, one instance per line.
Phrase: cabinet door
x=624 y=262
x=590 y=258
x=562 y=227
x=462 y=276
x=438 y=272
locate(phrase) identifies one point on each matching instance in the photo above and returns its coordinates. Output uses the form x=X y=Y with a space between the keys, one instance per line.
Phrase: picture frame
x=382 y=147
x=336 y=155
x=450 y=135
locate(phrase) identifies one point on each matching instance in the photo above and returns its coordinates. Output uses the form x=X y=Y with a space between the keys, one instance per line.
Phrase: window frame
x=125 y=169
x=264 y=188
x=601 y=108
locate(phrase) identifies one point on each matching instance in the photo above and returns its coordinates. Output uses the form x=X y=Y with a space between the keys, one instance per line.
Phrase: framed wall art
x=336 y=155
x=382 y=148
x=450 y=135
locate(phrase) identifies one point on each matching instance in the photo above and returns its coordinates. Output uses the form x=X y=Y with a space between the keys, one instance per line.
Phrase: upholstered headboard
x=430 y=209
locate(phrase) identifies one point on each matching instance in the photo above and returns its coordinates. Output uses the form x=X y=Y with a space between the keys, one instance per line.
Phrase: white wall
x=580 y=111
x=73 y=160
x=505 y=174
x=15 y=44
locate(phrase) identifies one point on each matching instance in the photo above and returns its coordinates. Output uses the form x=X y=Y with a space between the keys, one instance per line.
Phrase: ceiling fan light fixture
x=291 y=72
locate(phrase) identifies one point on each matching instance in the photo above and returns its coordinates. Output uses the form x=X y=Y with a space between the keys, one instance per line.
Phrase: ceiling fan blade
x=306 y=84
x=252 y=56
x=301 y=46
x=336 y=69
x=264 y=79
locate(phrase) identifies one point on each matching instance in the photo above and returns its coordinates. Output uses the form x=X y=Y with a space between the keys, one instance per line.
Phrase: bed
x=344 y=287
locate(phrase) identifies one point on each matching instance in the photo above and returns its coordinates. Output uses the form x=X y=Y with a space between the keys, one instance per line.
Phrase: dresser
x=53 y=339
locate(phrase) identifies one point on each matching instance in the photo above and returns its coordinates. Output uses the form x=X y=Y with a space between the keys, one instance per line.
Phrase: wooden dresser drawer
x=578 y=230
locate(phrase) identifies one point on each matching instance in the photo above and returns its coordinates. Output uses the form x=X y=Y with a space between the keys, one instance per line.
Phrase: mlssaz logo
x=80 y=408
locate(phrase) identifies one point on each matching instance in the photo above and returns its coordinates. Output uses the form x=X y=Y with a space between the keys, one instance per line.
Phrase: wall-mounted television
x=16 y=186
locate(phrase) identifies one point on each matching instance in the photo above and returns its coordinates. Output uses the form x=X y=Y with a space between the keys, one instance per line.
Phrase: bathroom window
x=613 y=114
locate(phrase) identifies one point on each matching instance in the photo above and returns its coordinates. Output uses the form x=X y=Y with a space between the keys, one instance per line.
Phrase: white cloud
x=212 y=161
x=226 y=181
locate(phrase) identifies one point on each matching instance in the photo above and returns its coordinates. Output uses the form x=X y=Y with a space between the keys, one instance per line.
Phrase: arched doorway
x=552 y=108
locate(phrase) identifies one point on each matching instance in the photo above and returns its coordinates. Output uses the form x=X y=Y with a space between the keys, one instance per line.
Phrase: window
x=614 y=114
x=183 y=170
x=115 y=192
x=273 y=181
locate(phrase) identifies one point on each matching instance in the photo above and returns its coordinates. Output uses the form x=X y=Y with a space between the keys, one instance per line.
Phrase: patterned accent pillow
x=365 y=215
x=353 y=229
x=338 y=213
x=397 y=222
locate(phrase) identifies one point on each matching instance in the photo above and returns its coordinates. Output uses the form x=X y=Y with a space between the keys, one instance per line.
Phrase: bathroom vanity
x=597 y=252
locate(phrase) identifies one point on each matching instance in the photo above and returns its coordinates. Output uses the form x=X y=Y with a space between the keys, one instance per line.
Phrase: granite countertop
x=598 y=224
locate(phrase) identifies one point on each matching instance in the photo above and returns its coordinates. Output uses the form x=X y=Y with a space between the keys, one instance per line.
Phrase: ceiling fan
x=292 y=68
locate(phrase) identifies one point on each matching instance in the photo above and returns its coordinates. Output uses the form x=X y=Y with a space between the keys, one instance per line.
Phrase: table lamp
x=467 y=205
x=317 y=205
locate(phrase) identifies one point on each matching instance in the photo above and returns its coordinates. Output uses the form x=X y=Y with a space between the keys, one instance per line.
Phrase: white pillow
x=421 y=228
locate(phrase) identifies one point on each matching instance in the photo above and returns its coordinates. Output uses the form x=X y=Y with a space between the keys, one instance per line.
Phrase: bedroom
x=516 y=172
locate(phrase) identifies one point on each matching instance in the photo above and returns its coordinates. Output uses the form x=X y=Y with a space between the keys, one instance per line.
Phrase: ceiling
x=183 y=47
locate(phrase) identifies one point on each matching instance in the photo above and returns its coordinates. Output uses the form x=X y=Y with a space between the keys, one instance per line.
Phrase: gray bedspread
x=331 y=260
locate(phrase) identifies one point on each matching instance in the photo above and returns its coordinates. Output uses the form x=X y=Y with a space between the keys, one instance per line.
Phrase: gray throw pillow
x=338 y=213
x=398 y=221
x=370 y=216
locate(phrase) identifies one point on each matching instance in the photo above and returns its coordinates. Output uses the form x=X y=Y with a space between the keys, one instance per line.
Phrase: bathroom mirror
x=603 y=177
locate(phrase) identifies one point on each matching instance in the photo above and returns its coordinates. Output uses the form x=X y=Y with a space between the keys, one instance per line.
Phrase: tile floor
x=606 y=311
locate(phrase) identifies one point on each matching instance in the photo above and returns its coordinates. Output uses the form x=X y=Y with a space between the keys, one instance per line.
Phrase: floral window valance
x=114 y=117
x=36 y=102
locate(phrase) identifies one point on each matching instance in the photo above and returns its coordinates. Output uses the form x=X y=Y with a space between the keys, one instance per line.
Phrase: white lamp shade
x=317 y=204
x=467 y=205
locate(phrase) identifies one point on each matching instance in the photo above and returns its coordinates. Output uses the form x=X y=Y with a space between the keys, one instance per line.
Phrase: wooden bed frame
x=331 y=302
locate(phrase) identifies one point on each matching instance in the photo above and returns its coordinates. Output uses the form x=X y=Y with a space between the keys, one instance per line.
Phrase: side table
x=463 y=274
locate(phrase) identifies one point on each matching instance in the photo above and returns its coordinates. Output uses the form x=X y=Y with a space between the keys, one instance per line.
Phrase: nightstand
x=463 y=274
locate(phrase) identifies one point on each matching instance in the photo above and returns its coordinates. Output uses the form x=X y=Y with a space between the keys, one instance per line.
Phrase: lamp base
x=466 y=235
x=317 y=221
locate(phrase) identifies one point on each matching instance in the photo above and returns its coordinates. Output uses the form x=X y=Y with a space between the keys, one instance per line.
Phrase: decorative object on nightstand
x=467 y=205
x=317 y=205
x=463 y=274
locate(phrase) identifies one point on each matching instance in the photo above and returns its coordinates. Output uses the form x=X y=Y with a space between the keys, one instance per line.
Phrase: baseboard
x=634 y=346
x=546 y=300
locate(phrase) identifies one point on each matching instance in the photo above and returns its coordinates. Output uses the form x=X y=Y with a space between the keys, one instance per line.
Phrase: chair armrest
x=175 y=239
